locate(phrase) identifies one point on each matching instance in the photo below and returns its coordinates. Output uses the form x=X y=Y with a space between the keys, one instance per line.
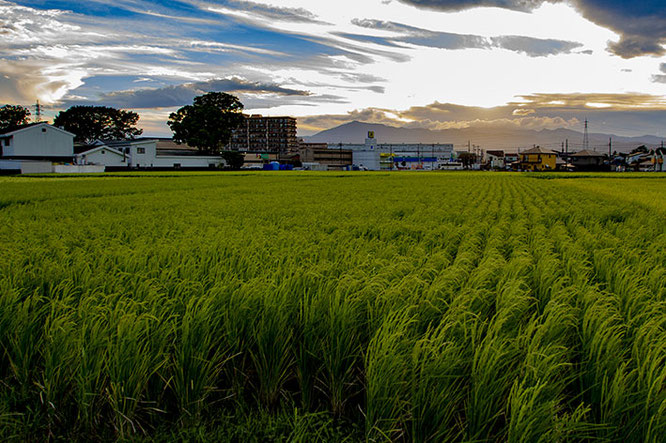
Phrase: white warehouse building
x=34 y=148
x=144 y=154
x=375 y=156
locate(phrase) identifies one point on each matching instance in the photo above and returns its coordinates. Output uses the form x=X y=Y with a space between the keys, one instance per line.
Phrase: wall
x=108 y=158
x=187 y=161
x=40 y=141
x=368 y=159
x=27 y=166
x=146 y=159
x=78 y=169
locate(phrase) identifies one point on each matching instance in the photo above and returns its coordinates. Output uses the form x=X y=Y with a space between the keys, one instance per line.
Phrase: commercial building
x=34 y=148
x=417 y=156
x=321 y=156
x=265 y=134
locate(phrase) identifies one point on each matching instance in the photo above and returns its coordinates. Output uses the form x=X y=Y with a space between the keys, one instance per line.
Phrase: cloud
x=617 y=102
x=458 y=5
x=523 y=112
x=275 y=12
x=183 y=94
x=638 y=112
x=660 y=78
x=533 y=47
x=641 y=25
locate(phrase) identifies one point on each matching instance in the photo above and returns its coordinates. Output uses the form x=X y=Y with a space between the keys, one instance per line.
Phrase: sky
x=436 y=64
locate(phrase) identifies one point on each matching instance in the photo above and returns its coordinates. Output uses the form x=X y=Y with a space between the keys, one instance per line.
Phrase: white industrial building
x=34 y=148
x=144 y=154
x=418 y=156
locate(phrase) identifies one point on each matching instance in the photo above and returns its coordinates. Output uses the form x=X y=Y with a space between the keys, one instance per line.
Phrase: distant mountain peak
x=508 y=139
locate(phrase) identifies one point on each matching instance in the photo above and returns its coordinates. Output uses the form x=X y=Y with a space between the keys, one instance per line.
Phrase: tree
x=467 y=159
x=13 y=116
x=90 y=123
x=234 y=159
x=207 y=124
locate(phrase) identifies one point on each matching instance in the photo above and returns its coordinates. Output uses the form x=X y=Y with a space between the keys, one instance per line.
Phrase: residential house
x=495 y=159
x=587 y=160
x=538 y=159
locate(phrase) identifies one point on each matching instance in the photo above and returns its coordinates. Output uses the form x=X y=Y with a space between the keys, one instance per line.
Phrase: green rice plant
x=22 y=331
x=387 y=369
x=55 y=384
x=492 y=372
x=271 y=353
x=90 y=374
x=198 y=357
x=135 y=352
x=340 y=350
x=438 y=386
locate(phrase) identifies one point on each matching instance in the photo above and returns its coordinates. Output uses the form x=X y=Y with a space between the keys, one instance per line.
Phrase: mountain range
x=506 y=139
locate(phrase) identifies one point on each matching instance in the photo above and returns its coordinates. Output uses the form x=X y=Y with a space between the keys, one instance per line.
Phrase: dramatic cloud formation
x=180 y=95
x=495 y=63
x=533 y=47
x=641 y=25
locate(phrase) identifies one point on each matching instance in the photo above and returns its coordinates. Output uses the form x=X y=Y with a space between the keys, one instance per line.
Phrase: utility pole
x=610 y=153
x=38 y=112
x=432 y=156
x=586 y=138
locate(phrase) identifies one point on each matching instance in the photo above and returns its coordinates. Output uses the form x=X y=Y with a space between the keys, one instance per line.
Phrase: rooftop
x=587 y=153
x=539 y=150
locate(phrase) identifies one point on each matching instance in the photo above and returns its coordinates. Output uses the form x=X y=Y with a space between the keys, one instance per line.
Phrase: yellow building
x=538 y=159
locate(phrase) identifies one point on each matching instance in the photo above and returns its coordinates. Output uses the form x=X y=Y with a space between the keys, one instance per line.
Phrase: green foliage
x=12 y=116
x=207 y=124
x=332 y=307
x=234 y=159
x=90 y=123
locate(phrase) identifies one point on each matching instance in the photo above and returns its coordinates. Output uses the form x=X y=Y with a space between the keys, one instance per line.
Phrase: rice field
x=419 y=307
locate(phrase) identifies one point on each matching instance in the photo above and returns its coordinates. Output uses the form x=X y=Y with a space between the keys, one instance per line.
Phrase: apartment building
x=266 y=134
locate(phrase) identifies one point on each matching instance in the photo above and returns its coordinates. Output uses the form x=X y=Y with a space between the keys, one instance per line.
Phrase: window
x=140 y=150
x=43 y=129
x=103 y=151
x=6 y=142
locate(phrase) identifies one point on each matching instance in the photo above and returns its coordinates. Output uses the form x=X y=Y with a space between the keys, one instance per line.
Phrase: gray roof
x=539 y=150
x=17 y=128
x=587 y=153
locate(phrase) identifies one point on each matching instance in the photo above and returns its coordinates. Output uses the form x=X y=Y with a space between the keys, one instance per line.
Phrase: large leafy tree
x=90 y=123
x=207 y=124
x=13 y=116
